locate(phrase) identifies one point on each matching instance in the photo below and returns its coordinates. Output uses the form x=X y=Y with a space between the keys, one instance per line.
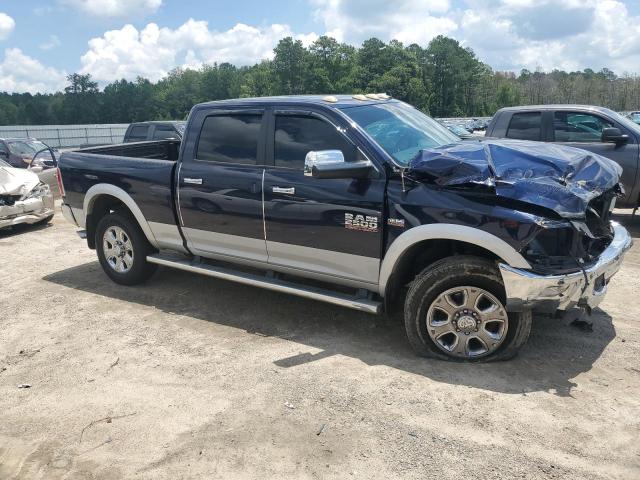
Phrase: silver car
x=23 y=197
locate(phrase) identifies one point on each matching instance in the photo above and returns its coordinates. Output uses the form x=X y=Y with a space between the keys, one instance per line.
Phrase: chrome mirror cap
x=321 y=157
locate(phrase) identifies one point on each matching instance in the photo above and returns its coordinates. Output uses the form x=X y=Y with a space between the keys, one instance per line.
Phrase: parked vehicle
x=362 y=202
x=28 y=153
x=634 y=117
x=596 y=129
x=23 y=197
x=458 y=130
x=162 y=130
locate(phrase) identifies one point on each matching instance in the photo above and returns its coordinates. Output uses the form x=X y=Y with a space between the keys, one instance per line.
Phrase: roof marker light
x=360 y=97
x=372 y=96
x=330 y=99
x=384 y=96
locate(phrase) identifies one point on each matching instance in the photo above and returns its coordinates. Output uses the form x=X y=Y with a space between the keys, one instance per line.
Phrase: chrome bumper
x=526 y=289
x=31 y=210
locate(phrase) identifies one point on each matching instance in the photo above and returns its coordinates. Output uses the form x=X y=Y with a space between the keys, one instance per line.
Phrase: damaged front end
x=576 y=248
x=23 y=198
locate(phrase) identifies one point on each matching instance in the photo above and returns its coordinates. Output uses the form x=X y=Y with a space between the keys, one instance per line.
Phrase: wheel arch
x=425 y=244
x=100 y=199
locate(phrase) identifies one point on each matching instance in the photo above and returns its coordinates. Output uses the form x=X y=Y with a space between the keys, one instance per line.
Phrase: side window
x=164 y=132
x=230 y=139
x=578 y=127
x=297 y=135
x=138 y=133
x=525 y=126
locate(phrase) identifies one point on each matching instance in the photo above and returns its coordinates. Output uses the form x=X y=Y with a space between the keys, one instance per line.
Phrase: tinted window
x=297 y=135
x=163 y=132
x=230 y=138
x=578 y=127
x=525 y=126
x=138 y=133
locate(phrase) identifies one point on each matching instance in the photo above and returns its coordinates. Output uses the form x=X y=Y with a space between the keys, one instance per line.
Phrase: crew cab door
x=584 y=130
x=220 y=185
x=327 y=227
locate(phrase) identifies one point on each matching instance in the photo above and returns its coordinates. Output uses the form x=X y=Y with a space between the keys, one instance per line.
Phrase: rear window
x=163 y=132
x=138 y=133
x=230 y=139
x=525 y=126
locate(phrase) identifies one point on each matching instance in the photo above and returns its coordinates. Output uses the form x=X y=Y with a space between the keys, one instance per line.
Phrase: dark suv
x=596 y=129
x=145 y=131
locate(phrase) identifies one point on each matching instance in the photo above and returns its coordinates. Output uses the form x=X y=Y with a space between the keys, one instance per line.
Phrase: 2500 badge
x=364 y=223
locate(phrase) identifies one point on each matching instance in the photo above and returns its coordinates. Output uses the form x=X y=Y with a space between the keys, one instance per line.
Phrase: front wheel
x=455 y=310
x=122 y=249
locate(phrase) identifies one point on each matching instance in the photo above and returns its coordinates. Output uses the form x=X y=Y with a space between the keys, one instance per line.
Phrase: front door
x=220 y=190
x=584 y=130
x=326 y=226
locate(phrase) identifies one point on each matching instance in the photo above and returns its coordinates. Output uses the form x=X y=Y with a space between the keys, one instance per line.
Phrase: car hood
x=563 y=179
x=17 y=181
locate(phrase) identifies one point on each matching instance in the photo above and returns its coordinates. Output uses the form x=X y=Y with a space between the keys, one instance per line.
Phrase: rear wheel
x=122 y=249
x=455 y=310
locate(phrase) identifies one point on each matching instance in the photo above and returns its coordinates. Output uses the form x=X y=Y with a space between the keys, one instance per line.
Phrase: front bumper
x=525 y=289
x=31 y=210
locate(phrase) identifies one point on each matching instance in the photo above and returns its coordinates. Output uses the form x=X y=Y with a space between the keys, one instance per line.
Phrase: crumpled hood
x=563 y=179
x=17 y=181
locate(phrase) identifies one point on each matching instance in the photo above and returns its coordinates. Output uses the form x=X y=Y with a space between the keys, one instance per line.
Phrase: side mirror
x=613 y=135
x=329 y=164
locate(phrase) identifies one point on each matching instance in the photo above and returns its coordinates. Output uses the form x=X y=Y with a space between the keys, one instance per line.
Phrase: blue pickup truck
x=360 y=201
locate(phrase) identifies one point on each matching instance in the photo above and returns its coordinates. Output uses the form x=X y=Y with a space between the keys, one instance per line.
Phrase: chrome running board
x=335 y=298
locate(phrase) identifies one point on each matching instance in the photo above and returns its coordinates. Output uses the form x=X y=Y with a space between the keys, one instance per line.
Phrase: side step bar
x=362 y=304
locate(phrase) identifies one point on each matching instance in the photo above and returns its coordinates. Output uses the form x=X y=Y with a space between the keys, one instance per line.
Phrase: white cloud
x=52 y=42
x=410 y=21
x=153 y=51
x=506 y=34
x=115 y=8
x=21 y=73
x=7 y=24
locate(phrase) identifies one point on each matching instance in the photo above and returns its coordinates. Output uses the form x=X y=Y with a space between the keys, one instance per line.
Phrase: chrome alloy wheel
x=467 y=322
x=118 y=249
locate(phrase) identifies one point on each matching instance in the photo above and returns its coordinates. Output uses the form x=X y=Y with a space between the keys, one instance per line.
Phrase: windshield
x=401 y=130
x=635 y=117
x=180 y=126
x=25 y=147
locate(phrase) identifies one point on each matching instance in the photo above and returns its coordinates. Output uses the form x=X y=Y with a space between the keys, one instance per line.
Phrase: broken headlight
x=38 y=191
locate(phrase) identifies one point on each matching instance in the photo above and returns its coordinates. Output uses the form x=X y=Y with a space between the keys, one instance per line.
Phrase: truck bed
x=143 y=170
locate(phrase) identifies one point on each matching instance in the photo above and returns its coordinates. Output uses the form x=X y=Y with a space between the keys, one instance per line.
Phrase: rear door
x=584 y=130
x=220 y=185
x=323 y=226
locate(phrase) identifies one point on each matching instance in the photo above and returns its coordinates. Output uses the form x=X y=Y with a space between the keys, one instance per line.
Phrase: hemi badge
x=395 y=222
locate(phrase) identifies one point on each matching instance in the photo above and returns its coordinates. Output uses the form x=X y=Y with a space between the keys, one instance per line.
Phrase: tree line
x=444 y=79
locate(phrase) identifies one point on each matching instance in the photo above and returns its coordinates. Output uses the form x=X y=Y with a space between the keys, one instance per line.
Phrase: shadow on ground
x=22 y=228
x=556 y=352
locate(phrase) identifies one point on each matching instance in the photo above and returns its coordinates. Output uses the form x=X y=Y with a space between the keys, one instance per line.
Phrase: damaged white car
x=23 y=197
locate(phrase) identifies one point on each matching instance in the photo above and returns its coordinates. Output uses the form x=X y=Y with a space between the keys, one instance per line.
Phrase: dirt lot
x=189 y=377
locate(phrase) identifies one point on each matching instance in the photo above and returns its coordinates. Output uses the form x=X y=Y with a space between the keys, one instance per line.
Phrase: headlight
x=39 y=190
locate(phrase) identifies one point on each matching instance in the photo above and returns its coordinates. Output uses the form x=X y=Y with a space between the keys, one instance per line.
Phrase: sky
x=42 y=41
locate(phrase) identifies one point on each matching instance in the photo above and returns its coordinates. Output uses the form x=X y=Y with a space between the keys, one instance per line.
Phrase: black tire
x=44 y=221
x=140 y=270
x=454 y=272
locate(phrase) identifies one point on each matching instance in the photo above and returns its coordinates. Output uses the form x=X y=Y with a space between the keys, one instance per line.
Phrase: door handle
x=286 y=191
x=193 y=181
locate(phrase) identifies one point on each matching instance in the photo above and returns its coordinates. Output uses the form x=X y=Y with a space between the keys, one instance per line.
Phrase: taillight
x=60 y=185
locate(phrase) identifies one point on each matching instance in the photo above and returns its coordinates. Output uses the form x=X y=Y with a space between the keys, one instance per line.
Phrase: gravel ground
x=191 y=377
